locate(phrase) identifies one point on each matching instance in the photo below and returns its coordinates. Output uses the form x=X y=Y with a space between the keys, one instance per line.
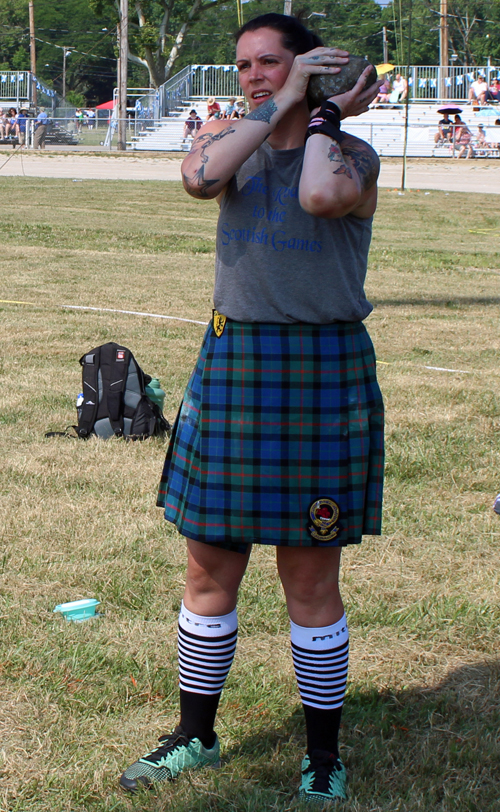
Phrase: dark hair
x=193 y=111
x=295 y=36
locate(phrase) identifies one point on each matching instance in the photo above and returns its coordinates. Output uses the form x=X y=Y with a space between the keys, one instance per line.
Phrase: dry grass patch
x=79 y=702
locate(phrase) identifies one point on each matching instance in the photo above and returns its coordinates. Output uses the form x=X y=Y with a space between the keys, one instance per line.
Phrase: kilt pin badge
x=324 y=513
x=218 y=322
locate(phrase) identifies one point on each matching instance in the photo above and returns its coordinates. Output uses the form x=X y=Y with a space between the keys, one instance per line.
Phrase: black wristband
x=331 y=107
x=327 y=122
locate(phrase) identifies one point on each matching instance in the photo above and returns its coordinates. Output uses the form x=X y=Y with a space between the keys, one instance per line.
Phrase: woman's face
x=263 y=64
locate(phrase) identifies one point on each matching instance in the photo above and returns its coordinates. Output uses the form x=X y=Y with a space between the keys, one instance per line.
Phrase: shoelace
x=322 y=765
x=169 y=742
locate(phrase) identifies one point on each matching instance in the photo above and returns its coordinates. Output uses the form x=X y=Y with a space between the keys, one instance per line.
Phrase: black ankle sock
x=322 y=729
x=198 y=713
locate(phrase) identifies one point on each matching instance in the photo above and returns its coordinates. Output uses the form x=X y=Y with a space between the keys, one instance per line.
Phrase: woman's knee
x=309 y=575
x=213 y=578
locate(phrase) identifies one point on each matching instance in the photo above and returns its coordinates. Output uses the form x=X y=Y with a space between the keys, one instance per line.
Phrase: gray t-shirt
x=275 y=262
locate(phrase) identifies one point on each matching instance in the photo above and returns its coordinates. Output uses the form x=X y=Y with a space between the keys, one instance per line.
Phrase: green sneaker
x=175 y=754
x=324 y=779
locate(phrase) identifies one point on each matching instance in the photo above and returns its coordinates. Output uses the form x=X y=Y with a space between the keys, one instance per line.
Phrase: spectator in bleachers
x=22 y=121
x=399 y=90
x=3 y=123
x=191 y=125
x=493 y=93
x=11 y=126
x=239 y=110
x=478 y=90
x=462 y=138
x=481 y=136
x=230 y=107
x=445 y=130
x=383 y=93
x=213 y=107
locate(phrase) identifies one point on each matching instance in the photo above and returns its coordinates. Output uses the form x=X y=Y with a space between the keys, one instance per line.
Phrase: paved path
x=480 y=175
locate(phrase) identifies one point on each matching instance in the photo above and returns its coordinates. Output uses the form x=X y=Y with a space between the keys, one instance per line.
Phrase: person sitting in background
x=22 y=120
x=399 y=89
x=191 y=125
x=11 y=126
x=213 y=106
x=481 y=136
x=462 y=138
x=3 y=123
x=383 y=93
x=493 y=93
x=445 y=129
x=239 y=110
x=230 y=107
x=478 y=90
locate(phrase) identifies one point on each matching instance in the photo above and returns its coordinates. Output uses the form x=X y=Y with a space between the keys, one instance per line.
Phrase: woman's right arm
x=221 y=147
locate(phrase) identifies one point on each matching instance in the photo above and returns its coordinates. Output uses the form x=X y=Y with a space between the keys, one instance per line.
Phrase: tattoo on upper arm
x=335 y=155
x=263 y=113
x=198 y=184
x=365 y=162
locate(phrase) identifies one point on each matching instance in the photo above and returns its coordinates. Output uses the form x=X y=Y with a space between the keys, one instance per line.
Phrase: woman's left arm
x=340 y=177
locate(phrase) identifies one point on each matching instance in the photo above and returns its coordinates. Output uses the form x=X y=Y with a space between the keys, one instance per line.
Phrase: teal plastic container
x=78 y=611
x=155 y=392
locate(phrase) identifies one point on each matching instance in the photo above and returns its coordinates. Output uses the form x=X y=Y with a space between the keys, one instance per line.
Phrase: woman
x=493 y=93
x=279 y=437
x=463 y=138
x=11 y=126
x=382 y=96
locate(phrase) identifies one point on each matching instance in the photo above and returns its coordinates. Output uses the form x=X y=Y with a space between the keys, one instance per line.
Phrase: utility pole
x=66 y=52
x=385 y=44
x=32 y=50
x=443 y=47
x=122 y=76
x=287 y=8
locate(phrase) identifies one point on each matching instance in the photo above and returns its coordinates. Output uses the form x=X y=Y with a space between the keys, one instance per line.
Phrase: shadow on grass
x=426 y=748
x=457 y=301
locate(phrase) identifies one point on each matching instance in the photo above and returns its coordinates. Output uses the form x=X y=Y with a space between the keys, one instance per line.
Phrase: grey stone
x=322 y=87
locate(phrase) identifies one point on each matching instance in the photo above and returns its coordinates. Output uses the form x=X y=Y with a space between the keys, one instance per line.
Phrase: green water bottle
x=155 y=393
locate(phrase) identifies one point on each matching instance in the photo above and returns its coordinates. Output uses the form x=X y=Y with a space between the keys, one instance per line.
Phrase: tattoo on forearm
x=365 y=162
x=198 y=184
x=335 y=155
x=263 y=113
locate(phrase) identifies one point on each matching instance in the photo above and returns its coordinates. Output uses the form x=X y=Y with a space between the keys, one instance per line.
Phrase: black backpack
x=114 y=397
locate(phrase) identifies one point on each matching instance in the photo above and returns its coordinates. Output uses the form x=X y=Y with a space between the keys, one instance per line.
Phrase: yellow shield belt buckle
x=218 y=322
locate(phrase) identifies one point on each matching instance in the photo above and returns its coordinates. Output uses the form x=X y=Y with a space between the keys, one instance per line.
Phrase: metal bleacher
x=382 y=127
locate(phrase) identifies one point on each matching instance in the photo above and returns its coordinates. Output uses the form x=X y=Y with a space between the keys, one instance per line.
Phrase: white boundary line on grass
x=193 y=321
x=131 y=313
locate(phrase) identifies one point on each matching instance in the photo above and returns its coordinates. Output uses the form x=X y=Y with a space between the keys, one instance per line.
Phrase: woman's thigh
x=213 y=578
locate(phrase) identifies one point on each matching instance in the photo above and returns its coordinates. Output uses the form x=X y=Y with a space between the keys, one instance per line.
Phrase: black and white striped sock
x=321 y=658
x=206 y=647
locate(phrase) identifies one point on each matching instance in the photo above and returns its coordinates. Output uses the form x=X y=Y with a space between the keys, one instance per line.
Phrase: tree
x=14 y=46
x=157 y=31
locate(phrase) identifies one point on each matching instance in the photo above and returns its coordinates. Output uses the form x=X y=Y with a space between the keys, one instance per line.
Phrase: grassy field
x=78 y=703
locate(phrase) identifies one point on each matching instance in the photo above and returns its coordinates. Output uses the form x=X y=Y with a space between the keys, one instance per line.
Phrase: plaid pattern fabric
x=274 y=417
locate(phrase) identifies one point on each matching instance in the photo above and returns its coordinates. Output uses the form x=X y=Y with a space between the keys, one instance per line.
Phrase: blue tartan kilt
x=279 y=439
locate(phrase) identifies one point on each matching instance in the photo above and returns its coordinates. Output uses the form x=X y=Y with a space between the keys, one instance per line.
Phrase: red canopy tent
x=106 y=105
